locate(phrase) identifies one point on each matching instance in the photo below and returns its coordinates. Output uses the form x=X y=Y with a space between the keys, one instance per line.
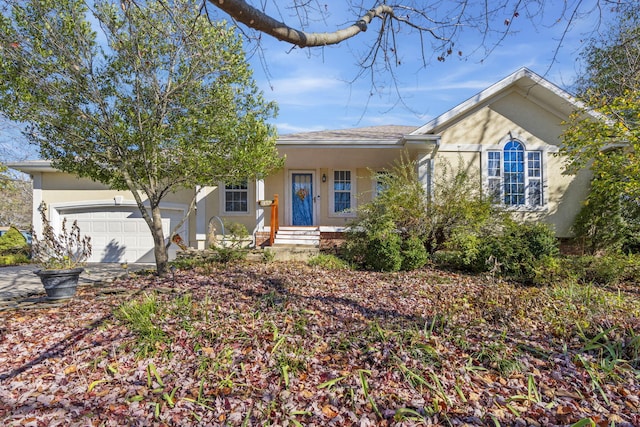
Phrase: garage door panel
x=132 y=227
x=115 y=227
x=120 y=234
x=97 y=226
x=83 y=224
x=97 y=240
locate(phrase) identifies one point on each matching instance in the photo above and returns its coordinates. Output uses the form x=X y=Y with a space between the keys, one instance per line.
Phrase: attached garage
x=119 y=233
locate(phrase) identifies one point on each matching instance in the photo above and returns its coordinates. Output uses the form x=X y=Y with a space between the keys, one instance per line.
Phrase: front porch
x=321 y=237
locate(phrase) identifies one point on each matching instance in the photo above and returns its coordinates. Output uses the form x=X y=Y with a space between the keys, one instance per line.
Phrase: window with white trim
x=514 y=176
x=236 y=198
x=342 y=189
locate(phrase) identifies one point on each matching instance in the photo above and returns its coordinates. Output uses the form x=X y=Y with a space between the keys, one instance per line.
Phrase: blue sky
x=313 y=91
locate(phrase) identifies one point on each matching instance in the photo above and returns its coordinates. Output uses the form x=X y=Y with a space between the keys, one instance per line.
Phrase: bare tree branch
x=243 y=12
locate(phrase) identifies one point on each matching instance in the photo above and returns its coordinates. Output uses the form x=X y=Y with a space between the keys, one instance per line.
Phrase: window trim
x=223 y=200
x=527 y=149
x=352 y=199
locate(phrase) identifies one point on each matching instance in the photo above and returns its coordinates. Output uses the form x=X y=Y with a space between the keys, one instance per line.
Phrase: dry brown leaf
x=329 y=411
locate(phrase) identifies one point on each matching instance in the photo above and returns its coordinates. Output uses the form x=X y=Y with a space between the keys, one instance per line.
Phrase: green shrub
x=609 y=269
x=14 y=259
x=522 y=251
x=234 y=246
x=383 y=253
x=268 y=255
x=228 y=254
x=189 y=263
x=376 y=248
x=462 y=251
x=518 y=249
x=551 y=270
x=448 y=260
x=413 y=253
x=609 y=221
x=458 y=209
x=328 y=262
x=402 y=226
x=383 y=225
x=13 y=242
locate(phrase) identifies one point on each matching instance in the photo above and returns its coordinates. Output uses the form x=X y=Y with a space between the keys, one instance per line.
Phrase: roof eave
x=33 y=166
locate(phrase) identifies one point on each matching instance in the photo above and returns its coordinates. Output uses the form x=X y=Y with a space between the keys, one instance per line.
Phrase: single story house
x=509 y=132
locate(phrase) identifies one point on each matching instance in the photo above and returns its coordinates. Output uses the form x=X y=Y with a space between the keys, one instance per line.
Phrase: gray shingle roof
x=387 y=133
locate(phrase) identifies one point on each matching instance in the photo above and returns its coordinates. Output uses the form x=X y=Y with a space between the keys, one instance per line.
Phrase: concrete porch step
x=297 y=236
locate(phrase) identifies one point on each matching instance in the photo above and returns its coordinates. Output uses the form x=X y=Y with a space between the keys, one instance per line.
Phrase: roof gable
x=529 y=84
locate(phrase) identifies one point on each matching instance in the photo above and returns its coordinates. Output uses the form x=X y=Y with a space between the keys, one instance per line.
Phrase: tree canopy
x=605 y=136
x=149 y=96
x=611 y=62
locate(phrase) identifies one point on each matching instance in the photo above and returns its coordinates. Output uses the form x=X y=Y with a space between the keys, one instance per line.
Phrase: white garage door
x=120 y=234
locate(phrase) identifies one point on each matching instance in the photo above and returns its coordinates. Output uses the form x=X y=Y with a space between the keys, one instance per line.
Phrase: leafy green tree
x=605 y=136
x=148 y=96
x=611 y=63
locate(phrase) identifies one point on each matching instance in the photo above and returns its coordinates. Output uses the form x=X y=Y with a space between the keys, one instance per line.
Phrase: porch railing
x=274 y=225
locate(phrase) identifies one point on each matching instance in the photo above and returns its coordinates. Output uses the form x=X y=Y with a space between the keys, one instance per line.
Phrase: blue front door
x=302 y=199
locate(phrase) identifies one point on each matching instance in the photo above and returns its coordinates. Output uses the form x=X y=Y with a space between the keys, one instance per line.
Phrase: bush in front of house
x=13 y=248
x=526 y=252
x=389 y=232
x=234 y=246
x=376 y=247
x=518 y=250
x=458 y=226
x=608 y=222
x=414 y=254
x=608 y=269
x=402 y=226
x=458 y=210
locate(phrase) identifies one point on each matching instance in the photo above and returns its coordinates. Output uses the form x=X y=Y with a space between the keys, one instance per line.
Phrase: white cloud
x=285 y=128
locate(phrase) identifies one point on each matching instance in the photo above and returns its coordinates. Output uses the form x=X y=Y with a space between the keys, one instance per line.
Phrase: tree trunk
x=159 y=248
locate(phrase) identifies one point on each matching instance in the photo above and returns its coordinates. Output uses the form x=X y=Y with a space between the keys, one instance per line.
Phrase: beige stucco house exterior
x=509 y=133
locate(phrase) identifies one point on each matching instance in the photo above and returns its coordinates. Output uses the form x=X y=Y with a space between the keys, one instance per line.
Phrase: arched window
x=514 y=175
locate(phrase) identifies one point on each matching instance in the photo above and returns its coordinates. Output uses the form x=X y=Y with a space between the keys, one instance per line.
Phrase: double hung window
x=236 y=198
x=343 y=188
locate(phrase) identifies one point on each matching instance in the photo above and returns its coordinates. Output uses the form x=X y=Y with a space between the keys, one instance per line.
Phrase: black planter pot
x=60 y=284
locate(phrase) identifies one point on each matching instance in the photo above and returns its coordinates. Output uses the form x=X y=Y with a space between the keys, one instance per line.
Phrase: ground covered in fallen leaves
x=288 y=344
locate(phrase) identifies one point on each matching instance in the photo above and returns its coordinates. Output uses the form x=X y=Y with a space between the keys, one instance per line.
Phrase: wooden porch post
x=273 y=229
